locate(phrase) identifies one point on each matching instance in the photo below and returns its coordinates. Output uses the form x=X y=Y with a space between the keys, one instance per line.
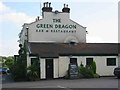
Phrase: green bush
x=80 y=75
x=9 y=61
x=86 y=72
x=18 y=72
x=32 y=73
x=93 y=67
x=96 y=76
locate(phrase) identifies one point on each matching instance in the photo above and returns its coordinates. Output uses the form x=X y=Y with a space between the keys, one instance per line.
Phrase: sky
x=99 y=16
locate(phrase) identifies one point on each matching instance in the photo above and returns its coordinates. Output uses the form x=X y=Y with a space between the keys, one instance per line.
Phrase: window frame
x=90 y=61
x=110 y=63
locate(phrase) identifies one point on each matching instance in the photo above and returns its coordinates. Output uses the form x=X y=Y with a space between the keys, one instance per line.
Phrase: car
x=4 y=70
x=117 y=72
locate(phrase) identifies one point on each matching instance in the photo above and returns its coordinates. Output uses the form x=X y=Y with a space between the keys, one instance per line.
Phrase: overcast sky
x=99 y=16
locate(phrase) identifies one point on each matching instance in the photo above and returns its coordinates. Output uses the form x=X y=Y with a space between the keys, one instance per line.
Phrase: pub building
x=56 y=41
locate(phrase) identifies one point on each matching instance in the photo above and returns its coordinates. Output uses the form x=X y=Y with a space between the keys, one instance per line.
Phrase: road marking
x=60 y=86
x=66 y=88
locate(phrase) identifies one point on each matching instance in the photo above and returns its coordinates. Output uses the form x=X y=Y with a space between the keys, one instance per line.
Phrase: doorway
x=73 y=61
x=49 y=68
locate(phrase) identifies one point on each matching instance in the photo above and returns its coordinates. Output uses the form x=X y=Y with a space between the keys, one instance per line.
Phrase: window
x=34 y=61
x=73 y=60
x=111 y=61
x=89 y=61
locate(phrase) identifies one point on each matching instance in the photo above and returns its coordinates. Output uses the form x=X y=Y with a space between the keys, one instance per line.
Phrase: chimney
x=47 y=7
x=66 y=9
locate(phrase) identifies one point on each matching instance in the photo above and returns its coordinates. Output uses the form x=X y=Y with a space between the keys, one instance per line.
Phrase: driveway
x=103 y=82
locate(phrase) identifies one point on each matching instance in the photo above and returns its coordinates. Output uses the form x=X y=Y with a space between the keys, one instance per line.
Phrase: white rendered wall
x=42 y=69
x=63 y=66
x=28 y=60
x=56 y=65
x=49 y=36
x=23 y=35
x=101 y=66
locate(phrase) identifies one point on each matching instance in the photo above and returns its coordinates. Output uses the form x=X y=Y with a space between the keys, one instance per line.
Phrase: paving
x=103 y=82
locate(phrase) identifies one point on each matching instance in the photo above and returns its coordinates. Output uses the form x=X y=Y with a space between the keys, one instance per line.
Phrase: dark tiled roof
x=81 y=49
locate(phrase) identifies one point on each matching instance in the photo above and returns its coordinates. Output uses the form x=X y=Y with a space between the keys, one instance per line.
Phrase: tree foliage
x=86 y=72
x=9 y=62
x=93 y=67
x=19 y=68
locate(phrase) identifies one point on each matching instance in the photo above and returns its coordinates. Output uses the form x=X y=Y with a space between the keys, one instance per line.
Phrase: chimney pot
x=38 y=17
x=67 y=5
x=44 y=4
x=47 y=7
x=49 y=4
x=66 y=9
x=64 y=5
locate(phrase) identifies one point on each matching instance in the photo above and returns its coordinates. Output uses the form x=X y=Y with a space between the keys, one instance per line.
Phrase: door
x=49 y=68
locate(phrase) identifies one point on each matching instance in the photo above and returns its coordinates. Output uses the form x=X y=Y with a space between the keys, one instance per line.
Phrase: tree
x=9 y=61
x=19 y=69
x=3 y=61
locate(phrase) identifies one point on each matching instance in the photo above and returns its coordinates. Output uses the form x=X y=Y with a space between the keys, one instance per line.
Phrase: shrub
x=80 y=75
x=32 y=73
x=96 y=76
x=86 y=72
x=81 y=65
x=18 y=72
x=93 y=67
